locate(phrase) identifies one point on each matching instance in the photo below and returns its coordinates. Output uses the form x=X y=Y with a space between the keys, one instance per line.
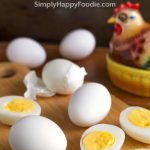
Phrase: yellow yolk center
x=98 y=140
x=140 y=117
x=20 y=105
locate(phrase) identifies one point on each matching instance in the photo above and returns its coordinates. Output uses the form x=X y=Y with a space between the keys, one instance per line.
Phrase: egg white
x=36 y=133
x=114 y=130
x=26 y=51
x=77 y=44
x=89 y=105
x=8 y=117
x=63 y=76
x=138 y=133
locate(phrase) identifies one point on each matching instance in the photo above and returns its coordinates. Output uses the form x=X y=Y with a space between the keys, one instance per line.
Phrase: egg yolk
x=140 y=117
x=98 y=140
x=20 y=106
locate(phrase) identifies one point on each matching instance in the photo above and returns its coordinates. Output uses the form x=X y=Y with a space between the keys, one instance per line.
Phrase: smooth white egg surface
x=135 y=121
x=13 y=108
x=89 y=105
x=26 y=51
x=37 y=133
x=102 y=137
x=77 y=44
x=63 y=76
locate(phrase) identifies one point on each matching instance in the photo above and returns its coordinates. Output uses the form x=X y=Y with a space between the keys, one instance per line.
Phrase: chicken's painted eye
x=132 y=17
x=123 y=17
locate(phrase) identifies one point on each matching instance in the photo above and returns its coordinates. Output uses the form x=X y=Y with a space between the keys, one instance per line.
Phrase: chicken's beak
x=111 y=20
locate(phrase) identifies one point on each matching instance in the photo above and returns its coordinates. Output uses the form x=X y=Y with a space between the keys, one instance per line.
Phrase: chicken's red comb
x=125 y=6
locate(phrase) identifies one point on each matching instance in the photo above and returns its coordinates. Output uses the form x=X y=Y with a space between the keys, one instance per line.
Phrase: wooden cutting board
x=55 y=108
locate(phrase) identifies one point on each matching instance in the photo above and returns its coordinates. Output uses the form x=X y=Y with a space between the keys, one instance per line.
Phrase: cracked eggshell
x=26 y=51
x=77 y=44
x=35 y=86
x=63 y=76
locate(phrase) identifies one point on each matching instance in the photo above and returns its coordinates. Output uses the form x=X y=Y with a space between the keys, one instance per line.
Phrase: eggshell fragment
x=35 y=86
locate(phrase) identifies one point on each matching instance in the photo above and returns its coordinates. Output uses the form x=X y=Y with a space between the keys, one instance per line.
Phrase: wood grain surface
x=55 y=108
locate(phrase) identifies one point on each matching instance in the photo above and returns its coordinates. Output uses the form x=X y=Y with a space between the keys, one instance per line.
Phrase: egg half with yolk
x=135 y=121
x=102 y=137
x=13 y=108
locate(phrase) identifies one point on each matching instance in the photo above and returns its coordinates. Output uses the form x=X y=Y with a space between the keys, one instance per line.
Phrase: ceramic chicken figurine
x=130 y=43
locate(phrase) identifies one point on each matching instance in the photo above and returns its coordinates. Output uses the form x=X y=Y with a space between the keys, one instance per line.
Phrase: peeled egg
x=26 y=51
x=102 y=137
x=89 y=105
x=13 y=108
x=135 y=121
x=77 y=44
x=63 y=76
x=37 y=133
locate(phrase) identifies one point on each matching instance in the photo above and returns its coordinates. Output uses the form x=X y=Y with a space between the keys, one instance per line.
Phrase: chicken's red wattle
x=118 y=29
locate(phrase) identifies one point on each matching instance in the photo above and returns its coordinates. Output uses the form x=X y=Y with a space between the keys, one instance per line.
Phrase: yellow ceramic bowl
x=133 y=80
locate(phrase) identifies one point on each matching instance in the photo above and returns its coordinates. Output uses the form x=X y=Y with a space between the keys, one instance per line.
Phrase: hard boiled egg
x=26 y=51
x=36 y=133
x=89 y=105
x=13 y=108
x=77 y=44
x=135 y=121
x=102 y=137
x=63 y=76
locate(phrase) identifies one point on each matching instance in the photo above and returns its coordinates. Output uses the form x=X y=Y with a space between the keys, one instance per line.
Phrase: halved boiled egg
x=135 y=121
x=13 y=108
x=102 y=137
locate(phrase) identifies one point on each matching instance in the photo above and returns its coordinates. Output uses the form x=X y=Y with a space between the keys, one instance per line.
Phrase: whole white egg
x=63 y=76
x=37 y=133
x=26 y=51
x=77 y=44
x=89 y=104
